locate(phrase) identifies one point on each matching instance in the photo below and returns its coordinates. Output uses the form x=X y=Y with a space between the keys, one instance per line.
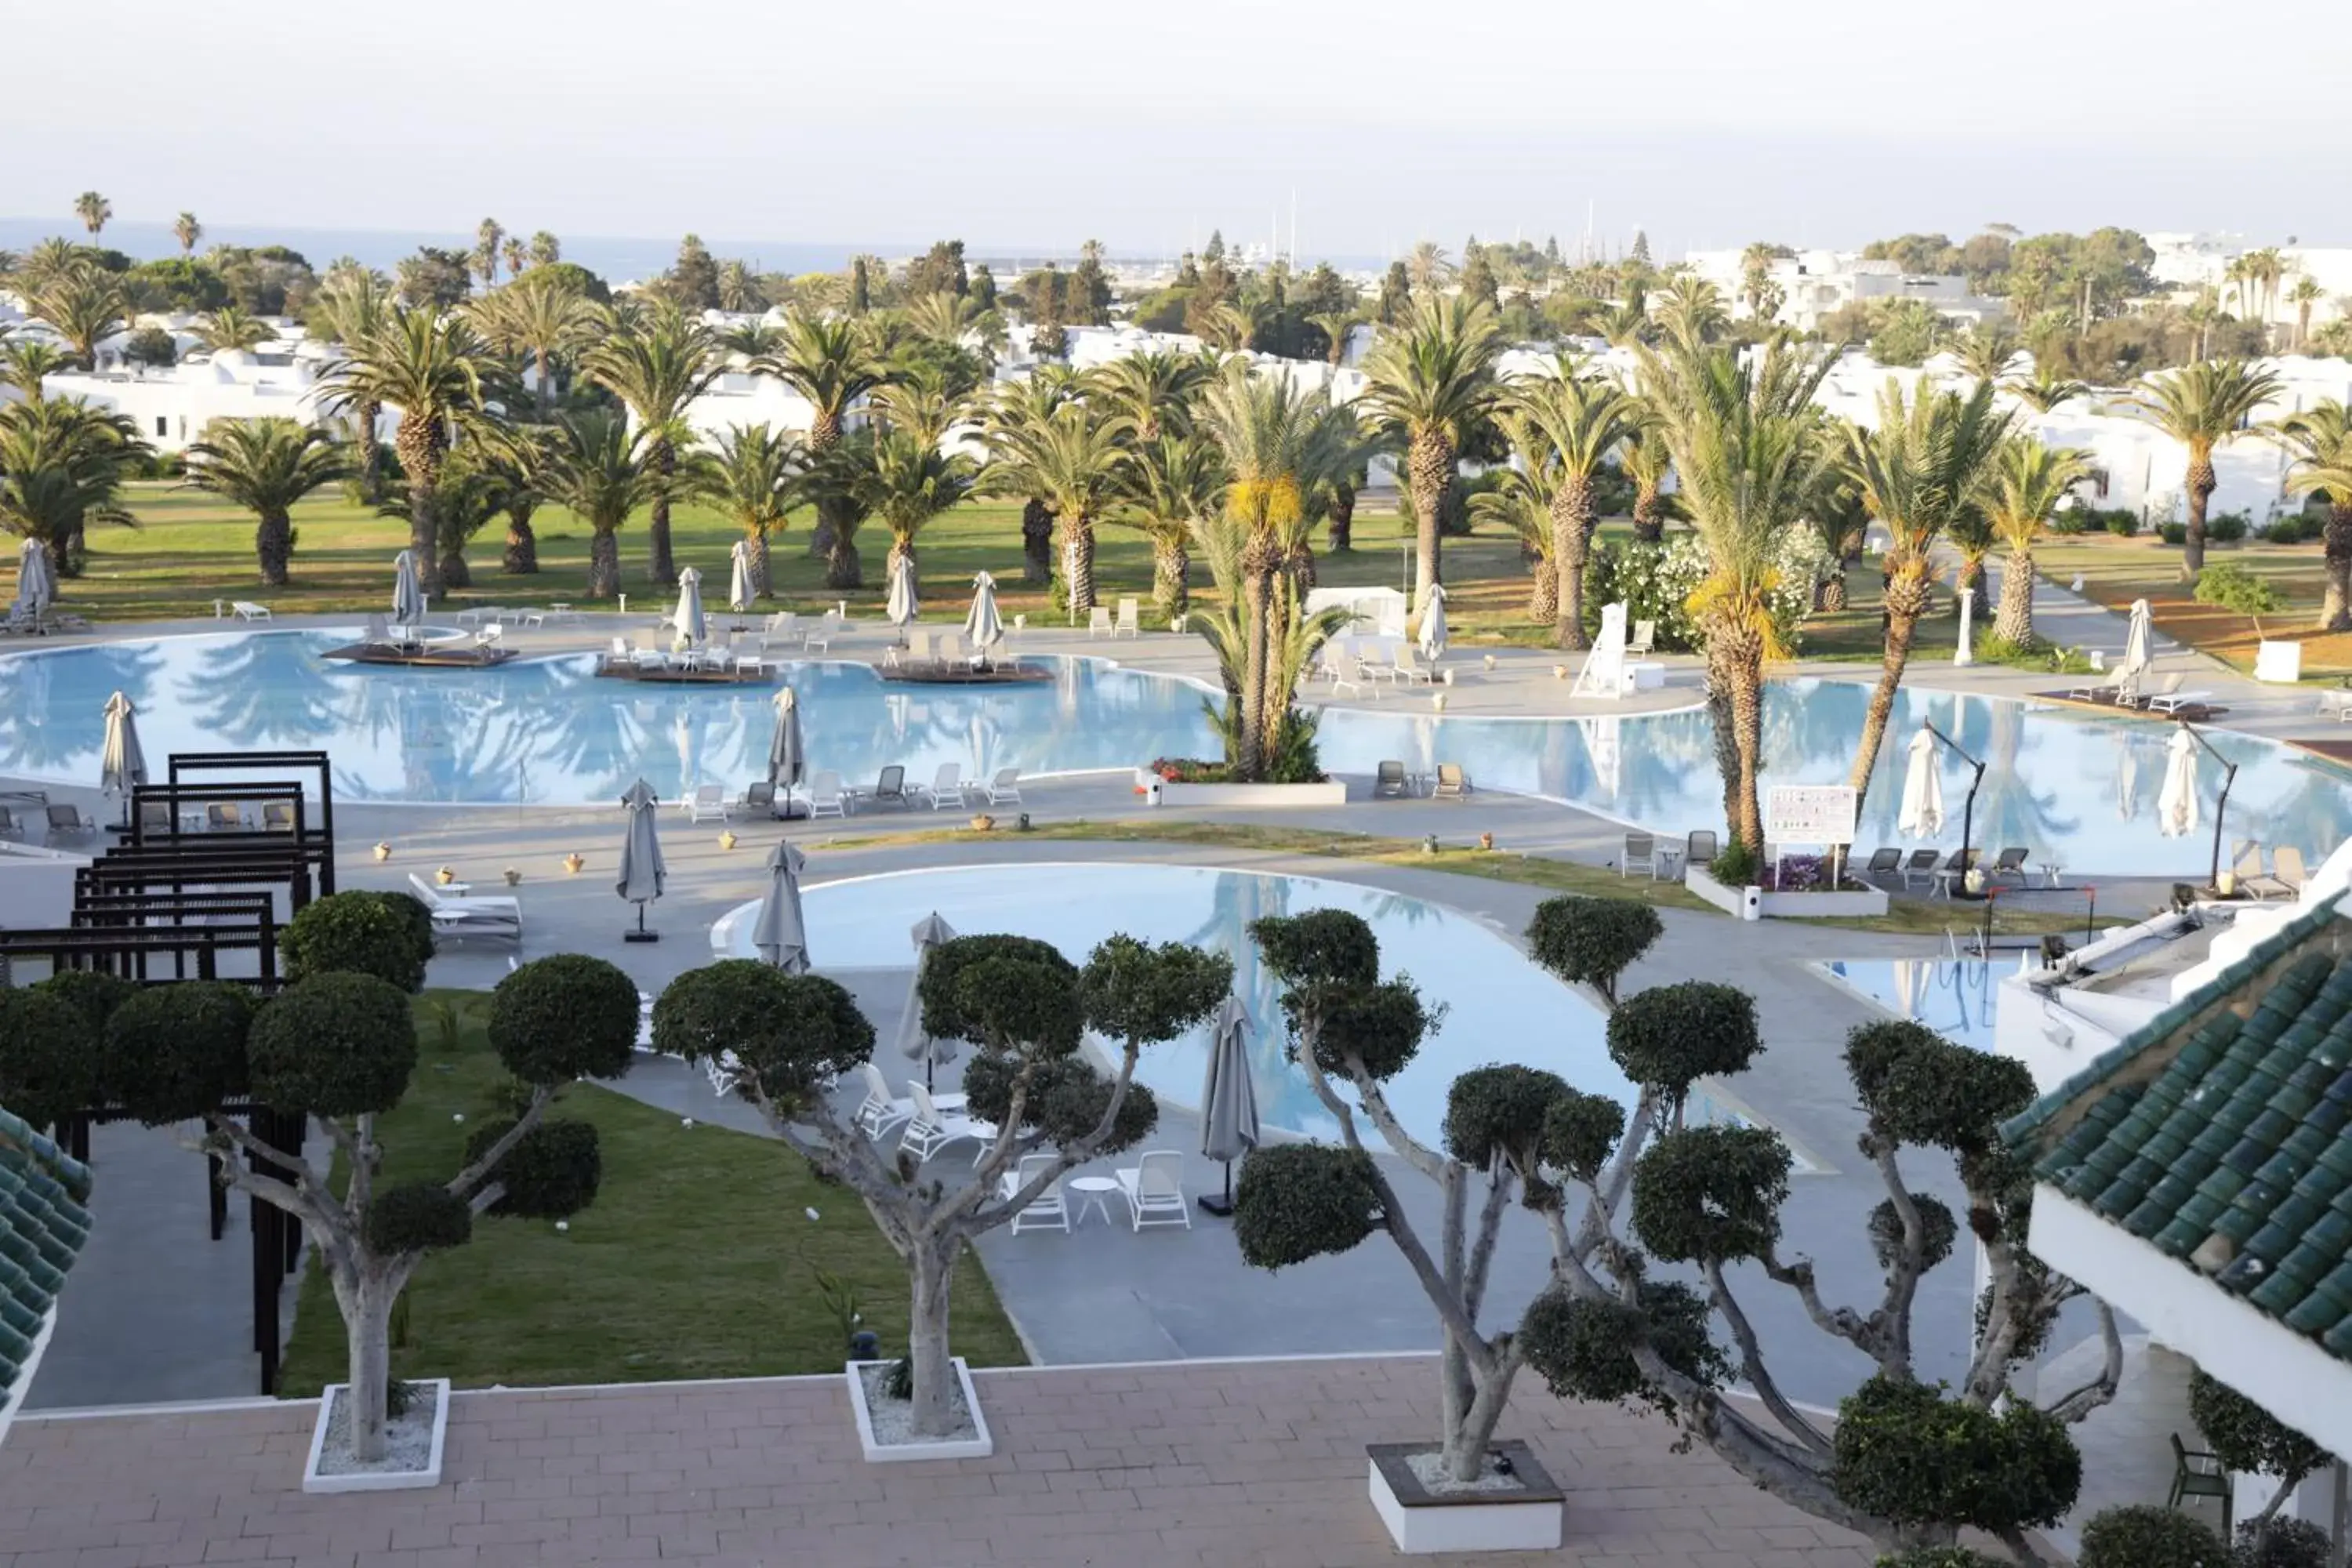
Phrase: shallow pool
x=1499 y=1006
x=1953 y=996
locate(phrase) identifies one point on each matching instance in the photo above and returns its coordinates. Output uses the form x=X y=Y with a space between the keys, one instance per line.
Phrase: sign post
x=1813 y=814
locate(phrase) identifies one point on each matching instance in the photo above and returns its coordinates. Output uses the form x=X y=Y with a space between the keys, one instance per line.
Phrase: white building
x=172 y=405
x=2192 y=261
x=1815 y=284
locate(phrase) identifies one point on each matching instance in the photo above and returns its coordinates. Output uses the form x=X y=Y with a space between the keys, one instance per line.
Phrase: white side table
x=1093 y=1191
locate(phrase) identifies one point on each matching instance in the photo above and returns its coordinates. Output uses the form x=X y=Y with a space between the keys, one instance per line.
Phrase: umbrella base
x=1213 y=1202
x=641 y=936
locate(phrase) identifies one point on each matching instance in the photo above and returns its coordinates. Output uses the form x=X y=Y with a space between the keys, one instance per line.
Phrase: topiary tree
x=2281 y=1543
x=48 y=1067
x=2146 y=1536
x=2247 y=1438
x=1025 y=1009
x=388 y=935
x=338 y=1046
x=1938 y=1557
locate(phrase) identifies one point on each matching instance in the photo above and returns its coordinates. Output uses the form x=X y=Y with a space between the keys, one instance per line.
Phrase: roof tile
x=44 y=1223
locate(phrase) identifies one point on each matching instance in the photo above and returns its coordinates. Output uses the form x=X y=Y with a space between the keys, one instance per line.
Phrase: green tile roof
x=43 y=1224
x=2221 y=1132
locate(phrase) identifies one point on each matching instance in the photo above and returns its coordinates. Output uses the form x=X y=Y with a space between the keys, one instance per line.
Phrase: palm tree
x=1172 y=484
x=900 y=477
x=657 y=369
x=1645 y=463
x=266 y=465
x=756 y=476
x=516 y=455
x=93 y=210
x=2201 y=406
x=545 y=317
x=1073 y=459
x=1225 y=329
x=2321 y=439
x=1434 y=379
x=1987 y=351
x=593 y=466
x=1840 y=517
x=1029 y=401
x=1153 y=390
x=738 y=288
x=2306 y=294
x=546 y=250
x=1924 y=472
x=1748 y=451
x=1428 y=266
x=2029 y=481
x=28 y=361
x=2046 y=392
x=1521 y=502
x=832 y=363
x=516 y=253
x=62 y=464
x=1337 y=327
x=187 y=231
x=87 y=306
x=1572 y=425
x=355 y=303
x=1692 y=310
x=229 y=328
x=487 y=235
x=433 y=368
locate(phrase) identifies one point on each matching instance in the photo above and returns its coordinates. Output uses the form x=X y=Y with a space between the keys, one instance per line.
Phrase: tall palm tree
x=2029 y=481
x=1031 y=399
x=433 y=368
x=1432 y=377
x=1071 y=459
x=2306 y=294
x=1154 y=390
x=1573 y=423
x=94 y=210
x=901 y=477
x=1646 y=464
x=355 y=303
x=2201 y=406
x=546 y=250
x=516 y=253
x=87 y=305
x=266 y=465
x=1338 y=328
x=738 y=288
x=1748 y=452
x=515 y=455
x=1840 y=517
x=657 y=368
x=62 y=466
x=544 y=317
x=26 y=363
x=1428 y=266
x=1924 y=472
x=47 y=263
x=2321 y=439
x=2046 y=392
x=756 y=476
x=187 y=231
x=596 y=468
x=1692 y=310
x=1520 y=502
x=487 y=236
x=1987 y=351
x=230 y=328
x=1172 y=484
x=832 y=363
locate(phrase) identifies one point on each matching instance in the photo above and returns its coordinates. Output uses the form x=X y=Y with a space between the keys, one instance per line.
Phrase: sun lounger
x=945 y=791
x=2252 y=881
x=1641 y=852
x=1005 y=788
x=472 y=916
x=931 y=1129
x=1389 y=780
x=2287 y=862
x=1154 y=1189
x=1410 y=671
x=1453 y=783
x=67 y=821
x=1050 y=1209
x=705 y=803
x=2010 y=862
x=1885 y=861
x=1130 y=619
x=247 y=610
x=1921 y=867
x=758 y=799
x=1098 y=622
x=2173 y=702
x=2336 y=705
x=880 y=1111
x=891 y=786
x=825 y=798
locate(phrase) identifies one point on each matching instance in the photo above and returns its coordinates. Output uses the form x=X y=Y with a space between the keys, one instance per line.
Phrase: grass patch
x=2115 y=571
x=695 y=1260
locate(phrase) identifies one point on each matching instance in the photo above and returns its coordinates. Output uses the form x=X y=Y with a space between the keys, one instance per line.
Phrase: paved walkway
x=1204 y=1464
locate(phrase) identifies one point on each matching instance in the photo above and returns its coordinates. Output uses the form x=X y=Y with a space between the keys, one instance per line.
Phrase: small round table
x=1093 y=1192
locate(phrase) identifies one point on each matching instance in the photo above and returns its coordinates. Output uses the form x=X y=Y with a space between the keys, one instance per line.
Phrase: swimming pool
x=1953 y=996
x=2070 y=787
x=1499 y=1006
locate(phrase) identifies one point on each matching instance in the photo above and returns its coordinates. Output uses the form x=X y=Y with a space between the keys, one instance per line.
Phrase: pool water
x=2072 y=788
x=1498 y=1006
x=1953 y=996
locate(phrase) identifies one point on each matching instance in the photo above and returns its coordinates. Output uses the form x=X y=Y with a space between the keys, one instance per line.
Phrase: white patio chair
x=783 y=630
x=1004 y=789
x=930 y=1130
x=1131 y=618
x=919 y=647
x=1098 y=622
x=945 y=791
x=1348 y=675
x=1410 y=671
x=880 y=1111
x=705 y=802
x=247 y=610
x=825 y=798
x=2173 y=702
x=1050 y=1209
x=1154 y=1187
x=1641 y=854
x=1644 y=639
x=820 y=636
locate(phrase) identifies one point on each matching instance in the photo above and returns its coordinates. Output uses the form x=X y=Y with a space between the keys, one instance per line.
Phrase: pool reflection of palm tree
x=51 y=731
x=2315 y=816
x=269 y=689
x=2009 y=810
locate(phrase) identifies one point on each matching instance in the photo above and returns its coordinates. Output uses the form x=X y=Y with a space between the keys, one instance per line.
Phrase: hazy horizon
x=1032 y=131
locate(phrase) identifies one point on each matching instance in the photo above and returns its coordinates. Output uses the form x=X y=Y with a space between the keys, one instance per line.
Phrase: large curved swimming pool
x=2070 y=787
x=1498 y=1006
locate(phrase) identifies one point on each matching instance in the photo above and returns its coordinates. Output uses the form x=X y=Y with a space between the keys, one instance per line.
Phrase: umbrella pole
x=641 y=933
x=1222 y=1206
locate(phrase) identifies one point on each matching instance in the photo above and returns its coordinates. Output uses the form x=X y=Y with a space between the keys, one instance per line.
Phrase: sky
x=1038 y=123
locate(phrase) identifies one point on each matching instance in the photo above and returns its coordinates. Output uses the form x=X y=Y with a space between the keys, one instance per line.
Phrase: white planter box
x=1861 y=901
x=978 y=1446
x=1332 y=793
x=378 y=1480
x=1529 y=1519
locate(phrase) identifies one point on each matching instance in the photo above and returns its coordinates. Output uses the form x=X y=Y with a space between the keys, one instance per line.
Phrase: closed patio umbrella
x=1229 y=1126
x=904 y=602
x=914 y=1042
x=37 y=590
x=2139 y=652
x=642 y=870
x=407 y=598
x=781 y=936
x=688 y=619
x=121 y=766
x=1433 y=625
x=738 y=586
x=981 y=624
x=1923 y=790
x=2176 y=803
x=2127 y=779
x=787 y=759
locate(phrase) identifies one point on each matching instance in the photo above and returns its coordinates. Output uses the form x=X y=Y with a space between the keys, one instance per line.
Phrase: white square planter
x=978 y=1446
x=378 y=1480
x=1529 y=1520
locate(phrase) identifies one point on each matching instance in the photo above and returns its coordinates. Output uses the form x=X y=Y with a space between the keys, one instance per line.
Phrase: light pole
x=1968 y=809
x=2221 y=804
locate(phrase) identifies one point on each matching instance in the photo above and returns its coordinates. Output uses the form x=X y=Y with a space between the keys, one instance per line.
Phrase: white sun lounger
x=1154 y=1188
x=247 y=610
x=471 y=916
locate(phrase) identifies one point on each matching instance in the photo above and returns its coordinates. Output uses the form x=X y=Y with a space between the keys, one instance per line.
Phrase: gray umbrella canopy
x=983 y=625
x=913 y=1042
x=1433 y=625
x=904 y=601
x=782 y=935
x=738 y=586
x=37 y=590
x=407 y=598
x=642 y=869
x=1228 y=1098
x=120 y=764
x=787 y=757
x=688 y=619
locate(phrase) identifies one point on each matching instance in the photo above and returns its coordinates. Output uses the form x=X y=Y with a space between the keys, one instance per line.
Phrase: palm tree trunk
x=2336 y=604
x=1078 y=546
x=454 y=571
x=1543 y=598
x=1257 y=569
x=370 y=454
x=2014 y=623
x=1649 y=517
x=2201 y=481
x=1571 y=547
x=660 y=567
x=604 y=564
x=763 y=585
x=273 y=543
x=1343 y=518
x=1036 y=543
x=1171 y=570
x=825 y=434
x=1832 y=588
x=546 y=398
x=1429 y=470
x=1907 y=601
x=842 y=568
x=522 y=558
x=420 y=460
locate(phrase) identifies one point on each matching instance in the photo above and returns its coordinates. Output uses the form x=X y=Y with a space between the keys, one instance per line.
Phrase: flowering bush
x=1800 y=874
x=1656 y=582
x=1191 y=770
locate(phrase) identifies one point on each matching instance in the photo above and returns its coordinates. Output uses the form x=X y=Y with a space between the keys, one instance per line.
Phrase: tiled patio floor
x=1199 y=1464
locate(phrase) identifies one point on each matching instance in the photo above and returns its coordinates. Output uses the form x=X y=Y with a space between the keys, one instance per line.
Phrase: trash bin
x=1751 y=903
x=1151 y=789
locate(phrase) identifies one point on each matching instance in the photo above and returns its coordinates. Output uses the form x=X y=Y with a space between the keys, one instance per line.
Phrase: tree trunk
x=762 y=584
x=366 y=1301
x=522 y=558
x=842 y=567
x=2014 y=623
x=2200 y=483
x=930 y=1266
x=1078 y=550
x=1907 y=601
x=1343 y=518
x=454 y=574
x=659 y=566
x=1470 y=1428
x=1649 y=517
x=604 y=564
x=1257 y=569
x=825 y=434
x=2336 y=604
x=1543 y=598
x=370 y=455
x=273 y=543
x=1834 y=594
x=1429 y=465
x=1972 y=578
x=1036 y=543
x=1172 y=571
x=1571 y=547
x=546 y=393
x=420 y=460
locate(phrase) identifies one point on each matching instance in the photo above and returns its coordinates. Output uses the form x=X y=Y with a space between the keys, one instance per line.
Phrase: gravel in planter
x=407 y=1439
x=1428 y=1470
x=894 y=1419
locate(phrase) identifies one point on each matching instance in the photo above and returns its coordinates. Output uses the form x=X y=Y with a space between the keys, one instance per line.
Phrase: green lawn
x=696 y=1260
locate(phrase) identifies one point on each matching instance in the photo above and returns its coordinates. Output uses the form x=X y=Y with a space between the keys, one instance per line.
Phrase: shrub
x=2227 y=584
x=388 y=935
x=1004 y=992
x=2146 y=1536
x=1939 y=1557
x=97 y=993
x=2121 y=521
x=2172 y=533
x=2292 y=528
x=417 y=1216
x=2280 y=1544
x=49 y=1056
x=1499 y=1109
x=564 y=1017
x=1711 y=1194
x=1297 y=1201
x=1905 y=1453
x=552 y=1171
x=1584 y=1349
x=1592 y=942
x=1066 y=1101
x=2227 y=529
x=788 y=1031
x=1669 y=1036
x=175 y=1052
x=338 y=1044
